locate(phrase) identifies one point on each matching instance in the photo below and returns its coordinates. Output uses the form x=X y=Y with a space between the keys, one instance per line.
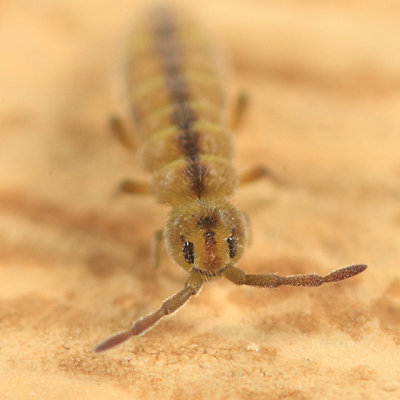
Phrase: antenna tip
x=112 y=341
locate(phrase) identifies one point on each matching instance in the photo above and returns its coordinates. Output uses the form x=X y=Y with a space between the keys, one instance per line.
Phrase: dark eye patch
x=188 y=252
x=232 y=245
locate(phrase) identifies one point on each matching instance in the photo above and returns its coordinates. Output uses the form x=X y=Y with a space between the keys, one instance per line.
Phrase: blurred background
x=323 y=81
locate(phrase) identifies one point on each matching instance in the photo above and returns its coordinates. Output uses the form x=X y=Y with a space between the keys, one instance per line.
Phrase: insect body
x=177 y=102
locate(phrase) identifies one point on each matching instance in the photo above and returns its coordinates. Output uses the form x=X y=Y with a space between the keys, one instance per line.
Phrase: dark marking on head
x=209 y=240
x=207 y=222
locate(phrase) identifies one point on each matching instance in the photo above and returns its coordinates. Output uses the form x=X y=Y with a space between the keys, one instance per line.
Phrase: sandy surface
x=324 y=82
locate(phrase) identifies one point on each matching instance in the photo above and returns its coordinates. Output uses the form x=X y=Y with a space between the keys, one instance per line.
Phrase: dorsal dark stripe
x=197 y=173
x=208 y=221
x=177 y=87
x=188 y=141
x=183 y=116
x=209 y=240
x=170 y=53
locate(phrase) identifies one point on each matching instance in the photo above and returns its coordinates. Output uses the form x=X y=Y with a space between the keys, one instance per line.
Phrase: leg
x=119 y=130
x=238 y=277
x=168 y=307
x=257 y=173
x=238 y=111
x=156 y=247
x=134 y=187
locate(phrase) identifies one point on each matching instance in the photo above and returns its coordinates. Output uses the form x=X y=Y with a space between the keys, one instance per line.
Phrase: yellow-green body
x=178 y=106
x=177 y=103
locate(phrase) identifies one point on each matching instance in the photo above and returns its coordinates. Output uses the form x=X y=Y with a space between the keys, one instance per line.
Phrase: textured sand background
x=324 y=81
